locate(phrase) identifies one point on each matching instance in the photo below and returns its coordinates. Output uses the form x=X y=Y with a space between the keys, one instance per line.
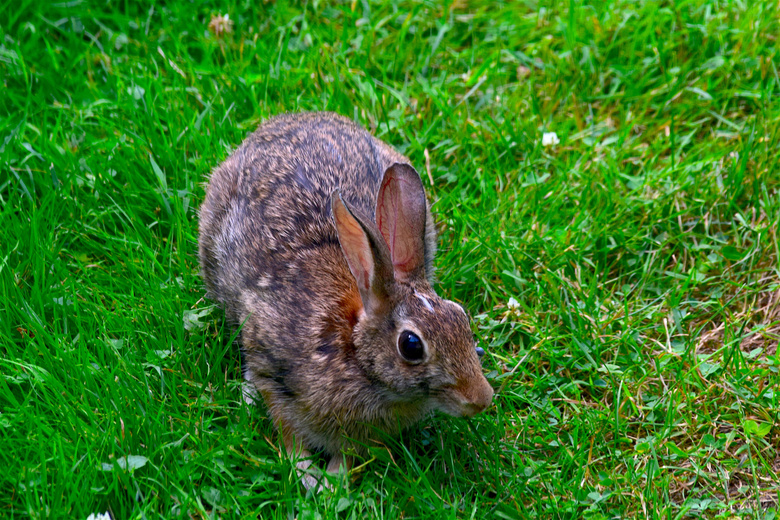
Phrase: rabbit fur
x=318 y=241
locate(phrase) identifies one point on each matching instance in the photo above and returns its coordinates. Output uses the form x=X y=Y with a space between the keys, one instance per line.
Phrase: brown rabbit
x=317 y=238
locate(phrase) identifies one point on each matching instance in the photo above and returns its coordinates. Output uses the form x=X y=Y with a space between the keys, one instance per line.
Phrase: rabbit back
x=269 y=202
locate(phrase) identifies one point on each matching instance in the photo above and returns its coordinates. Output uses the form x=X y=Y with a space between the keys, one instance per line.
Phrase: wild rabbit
x=318 y=241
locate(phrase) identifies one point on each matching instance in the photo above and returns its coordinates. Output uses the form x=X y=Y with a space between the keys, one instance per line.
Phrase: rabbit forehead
x=442 y=323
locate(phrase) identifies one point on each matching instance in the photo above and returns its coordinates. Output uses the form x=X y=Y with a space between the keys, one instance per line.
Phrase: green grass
x=637 y=374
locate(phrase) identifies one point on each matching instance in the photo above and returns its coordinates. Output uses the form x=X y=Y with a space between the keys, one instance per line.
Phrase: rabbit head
x=415 y=346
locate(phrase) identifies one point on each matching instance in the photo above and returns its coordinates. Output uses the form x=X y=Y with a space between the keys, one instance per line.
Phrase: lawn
x=622 y=275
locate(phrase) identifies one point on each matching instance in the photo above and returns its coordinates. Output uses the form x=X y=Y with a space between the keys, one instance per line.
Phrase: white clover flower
x=99 y=516
x=550 y=138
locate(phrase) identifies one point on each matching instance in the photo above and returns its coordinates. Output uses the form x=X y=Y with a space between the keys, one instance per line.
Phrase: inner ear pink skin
x=400 y=217
x=354 y=244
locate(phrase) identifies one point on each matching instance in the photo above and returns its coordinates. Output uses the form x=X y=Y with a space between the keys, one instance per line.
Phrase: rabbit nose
x=477 y=397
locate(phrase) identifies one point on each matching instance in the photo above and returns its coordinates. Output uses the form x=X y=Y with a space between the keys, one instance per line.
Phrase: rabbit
x=318 y=241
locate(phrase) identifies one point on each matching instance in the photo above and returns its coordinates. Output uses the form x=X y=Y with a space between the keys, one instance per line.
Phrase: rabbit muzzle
x=469 y=398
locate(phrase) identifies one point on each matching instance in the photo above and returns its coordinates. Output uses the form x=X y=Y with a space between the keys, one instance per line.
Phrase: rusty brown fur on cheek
x=350 y=306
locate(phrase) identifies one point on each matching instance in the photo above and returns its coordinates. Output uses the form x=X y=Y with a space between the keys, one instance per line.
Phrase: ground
x=605 y=179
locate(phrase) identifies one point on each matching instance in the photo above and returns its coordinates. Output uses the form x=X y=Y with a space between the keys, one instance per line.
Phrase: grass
x=624 y=282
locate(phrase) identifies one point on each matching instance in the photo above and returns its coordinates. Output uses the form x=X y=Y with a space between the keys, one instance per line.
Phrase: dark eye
x=480 y=352
x=411 y=346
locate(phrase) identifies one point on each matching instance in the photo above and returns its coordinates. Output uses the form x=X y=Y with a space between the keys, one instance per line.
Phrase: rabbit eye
x=411 y=346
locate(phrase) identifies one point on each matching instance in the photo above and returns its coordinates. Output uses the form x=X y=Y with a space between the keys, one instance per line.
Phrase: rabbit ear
x=366 y=255
x=401 y=211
